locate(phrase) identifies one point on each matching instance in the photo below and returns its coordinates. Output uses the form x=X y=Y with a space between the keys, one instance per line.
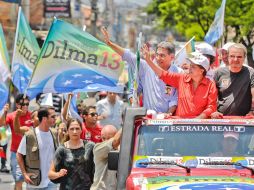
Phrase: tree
x=194 y=17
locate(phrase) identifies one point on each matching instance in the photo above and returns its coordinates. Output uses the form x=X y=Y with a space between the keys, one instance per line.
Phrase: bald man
x=104 y=178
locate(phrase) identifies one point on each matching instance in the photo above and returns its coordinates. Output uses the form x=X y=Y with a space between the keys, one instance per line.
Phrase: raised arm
x=16 y=123
x=3 y=116
x=118 y=49
x=66 y=107
x=117 y=139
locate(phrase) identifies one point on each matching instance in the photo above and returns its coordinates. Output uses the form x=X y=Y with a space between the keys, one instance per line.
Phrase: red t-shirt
x=192 y=102
x=91 y=134
x=25 y=120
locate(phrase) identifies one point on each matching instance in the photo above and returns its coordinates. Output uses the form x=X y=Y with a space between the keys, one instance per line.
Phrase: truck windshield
x=204 y=140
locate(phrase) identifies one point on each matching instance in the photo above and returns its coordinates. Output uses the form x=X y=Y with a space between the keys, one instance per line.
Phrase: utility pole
x=94 y=16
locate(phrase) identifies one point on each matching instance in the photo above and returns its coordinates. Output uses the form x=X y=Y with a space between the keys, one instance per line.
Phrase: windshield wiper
x=166 y=163
x=230 y=164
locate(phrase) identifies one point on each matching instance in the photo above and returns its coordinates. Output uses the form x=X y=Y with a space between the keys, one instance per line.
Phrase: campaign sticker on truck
x=194 y=182
x=192 y=162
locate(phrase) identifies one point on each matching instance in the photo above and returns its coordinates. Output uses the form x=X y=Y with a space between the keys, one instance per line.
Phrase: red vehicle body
x=185 y=153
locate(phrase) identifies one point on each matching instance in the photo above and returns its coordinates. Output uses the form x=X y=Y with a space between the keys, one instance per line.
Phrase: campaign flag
x=4 y=93
x=47 y=100
x=73 y=60
x=216 y=29
x=25 y=54
x=181 y=55
x=4 y=57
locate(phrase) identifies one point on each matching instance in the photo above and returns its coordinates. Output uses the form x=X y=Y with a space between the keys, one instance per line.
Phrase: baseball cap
x=227 y=45
x=205 y=48
x=231 y=134
x=199 y=59
x=103 y=93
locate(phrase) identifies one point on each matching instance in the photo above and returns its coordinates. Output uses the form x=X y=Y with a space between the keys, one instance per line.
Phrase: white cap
x=205 y=48
x=199 y=59
x=227 y=45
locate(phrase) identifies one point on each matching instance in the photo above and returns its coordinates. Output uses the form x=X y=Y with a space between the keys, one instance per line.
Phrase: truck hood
x=199 y=178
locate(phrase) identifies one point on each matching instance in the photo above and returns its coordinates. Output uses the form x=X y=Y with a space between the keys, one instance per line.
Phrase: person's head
x=236 y=56
x=102 y=95
x=74 y=129
x=230 y=142
x=47 y=116
x=22 y=102
x=207 y=50
x=199 y=65
x=107 y=132
x=35 y=118
x=165 y=54
x=112 y=97
x=224 y=52
x=90 y=115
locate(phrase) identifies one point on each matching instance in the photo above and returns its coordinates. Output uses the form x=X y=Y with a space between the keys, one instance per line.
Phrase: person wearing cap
x=197 y=95
x=229 y=145
x=224 y=53
x=155 y=92
x=235 y=85
x=208 y=51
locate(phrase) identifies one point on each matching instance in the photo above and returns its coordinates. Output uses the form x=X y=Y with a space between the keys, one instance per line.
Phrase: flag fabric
x=73 y=60
x=4 y=57
x=47 y=100
x=4 y=94
x=216 y=29
x=181 y=55
x=73 y=111
x=26 y=51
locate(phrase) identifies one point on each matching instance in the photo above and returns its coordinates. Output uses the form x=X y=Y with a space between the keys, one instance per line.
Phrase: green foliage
x=194 y=17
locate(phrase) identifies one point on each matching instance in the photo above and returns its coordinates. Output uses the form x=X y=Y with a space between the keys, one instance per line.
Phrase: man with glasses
x=235 y=85
x=91 y=130
x=38 y=145
x=25 y=120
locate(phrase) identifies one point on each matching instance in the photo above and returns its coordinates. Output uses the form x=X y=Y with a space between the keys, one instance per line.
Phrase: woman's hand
x=62 y=173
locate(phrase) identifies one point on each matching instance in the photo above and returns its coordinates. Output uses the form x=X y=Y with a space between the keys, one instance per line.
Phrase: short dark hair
x=170 y=47
x=201 y=67
x=86 y=110
x=44 y=112
x=20 y=98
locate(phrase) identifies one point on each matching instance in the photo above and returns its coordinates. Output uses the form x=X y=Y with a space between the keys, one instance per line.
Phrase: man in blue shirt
x=156 y=94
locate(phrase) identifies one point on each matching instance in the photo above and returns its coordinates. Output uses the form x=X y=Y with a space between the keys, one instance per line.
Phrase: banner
x=4 y=58
x=73 y=60
x=57 y=8
x=25 y=54
x=181 y=55
x=216 y=29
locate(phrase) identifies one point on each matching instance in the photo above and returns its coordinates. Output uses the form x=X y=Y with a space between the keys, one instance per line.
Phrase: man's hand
x=6 y=108
x=62 y=173
x=27 y=178
x=106 y=36
x=145 y=52
x=19 y=112
x=250 y=113
x=216 y=115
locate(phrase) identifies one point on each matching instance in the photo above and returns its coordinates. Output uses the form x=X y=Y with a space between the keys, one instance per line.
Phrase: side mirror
x=113 y=157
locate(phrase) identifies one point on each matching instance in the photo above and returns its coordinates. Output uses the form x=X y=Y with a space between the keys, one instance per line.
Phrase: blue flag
x=4 y=93
x=216 y=29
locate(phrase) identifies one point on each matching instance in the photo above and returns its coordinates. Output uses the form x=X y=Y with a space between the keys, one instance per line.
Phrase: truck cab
x=185 y=153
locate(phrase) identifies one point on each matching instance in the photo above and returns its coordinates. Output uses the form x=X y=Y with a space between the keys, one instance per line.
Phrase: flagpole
x=184 y=46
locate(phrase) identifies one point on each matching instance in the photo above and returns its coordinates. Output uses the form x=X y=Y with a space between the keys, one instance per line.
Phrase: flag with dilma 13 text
x=73 y=60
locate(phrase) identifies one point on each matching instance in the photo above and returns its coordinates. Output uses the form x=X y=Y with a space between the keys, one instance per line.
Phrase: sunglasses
x=24 y=104
x=93 y=114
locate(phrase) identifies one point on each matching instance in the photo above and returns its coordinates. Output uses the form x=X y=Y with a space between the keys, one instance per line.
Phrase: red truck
x=186 y=154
